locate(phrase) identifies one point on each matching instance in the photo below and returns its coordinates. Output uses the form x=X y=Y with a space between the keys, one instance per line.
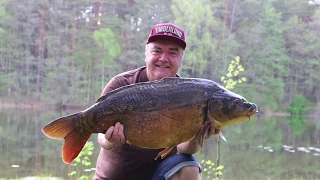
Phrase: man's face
x=163 y=59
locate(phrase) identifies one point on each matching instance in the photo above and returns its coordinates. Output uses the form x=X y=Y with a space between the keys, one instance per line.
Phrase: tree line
x=64 y=52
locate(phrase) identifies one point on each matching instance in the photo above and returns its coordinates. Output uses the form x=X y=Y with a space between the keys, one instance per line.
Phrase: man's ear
x=181 y=60
x=145 y=51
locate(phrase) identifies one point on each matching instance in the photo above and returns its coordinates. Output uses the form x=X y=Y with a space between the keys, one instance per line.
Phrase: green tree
x=83 y=160
x=272 y=60
x=106 y=39
x=198 y=31
x=302 y=43
x=298 y=105
x=49 y=53
x=5 y=74
x=207 y=46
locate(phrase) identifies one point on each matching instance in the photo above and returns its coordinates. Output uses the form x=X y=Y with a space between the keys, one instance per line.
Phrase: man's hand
x=194 y=145
x=211 y=131
x=113 y=137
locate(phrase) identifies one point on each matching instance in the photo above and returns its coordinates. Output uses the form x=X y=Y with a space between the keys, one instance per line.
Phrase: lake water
x=265 y=148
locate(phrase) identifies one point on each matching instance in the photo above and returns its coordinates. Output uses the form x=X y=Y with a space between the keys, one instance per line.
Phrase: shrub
x=298 y=105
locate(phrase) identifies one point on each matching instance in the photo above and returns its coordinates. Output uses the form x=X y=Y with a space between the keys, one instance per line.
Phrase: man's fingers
x=109 y=132
x=116 y=130
x=115 y=134
x=121 y=135
x=118 y=133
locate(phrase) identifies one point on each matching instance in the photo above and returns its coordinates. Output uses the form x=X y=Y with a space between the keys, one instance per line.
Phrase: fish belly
x=163 y=128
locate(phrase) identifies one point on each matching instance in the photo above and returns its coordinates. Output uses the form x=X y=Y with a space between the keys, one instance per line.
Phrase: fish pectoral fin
x=164 y=152
x=205 y=133
x=222 y=136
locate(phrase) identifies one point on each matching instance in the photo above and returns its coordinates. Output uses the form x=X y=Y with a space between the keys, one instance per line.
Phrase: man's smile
x=162 y=66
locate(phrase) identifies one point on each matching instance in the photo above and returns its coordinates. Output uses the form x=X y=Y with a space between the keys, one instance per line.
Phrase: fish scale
x=157 y=114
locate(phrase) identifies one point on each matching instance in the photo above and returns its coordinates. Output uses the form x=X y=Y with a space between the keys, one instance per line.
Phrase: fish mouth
x=251 y=113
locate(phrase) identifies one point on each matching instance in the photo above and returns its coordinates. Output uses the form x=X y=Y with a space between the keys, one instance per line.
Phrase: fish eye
x=237 y=101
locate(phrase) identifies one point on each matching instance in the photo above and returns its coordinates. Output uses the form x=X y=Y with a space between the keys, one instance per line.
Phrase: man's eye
x=155 y=51
x=173 y=53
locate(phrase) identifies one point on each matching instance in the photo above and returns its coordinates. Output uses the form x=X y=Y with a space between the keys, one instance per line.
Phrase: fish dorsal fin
x=102 y=98
x=173 y=80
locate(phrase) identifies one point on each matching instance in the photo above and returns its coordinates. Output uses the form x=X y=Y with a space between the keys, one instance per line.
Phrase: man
x=120 y=161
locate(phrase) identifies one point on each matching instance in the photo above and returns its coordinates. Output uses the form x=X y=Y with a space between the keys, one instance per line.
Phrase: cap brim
x=178 y=41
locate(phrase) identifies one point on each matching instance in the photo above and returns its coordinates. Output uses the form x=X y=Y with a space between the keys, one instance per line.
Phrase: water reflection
x=297 y=123
x=259 y=150
x=267 y=147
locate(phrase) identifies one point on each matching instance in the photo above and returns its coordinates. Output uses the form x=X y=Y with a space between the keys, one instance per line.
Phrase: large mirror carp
x=157 y=114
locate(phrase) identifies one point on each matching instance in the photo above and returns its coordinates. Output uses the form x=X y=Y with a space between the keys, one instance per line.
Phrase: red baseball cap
x=167 y=31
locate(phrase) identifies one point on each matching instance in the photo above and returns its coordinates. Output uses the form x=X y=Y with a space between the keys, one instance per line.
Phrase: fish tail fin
x=74 y=137
x=60 y=128
x=73 y=144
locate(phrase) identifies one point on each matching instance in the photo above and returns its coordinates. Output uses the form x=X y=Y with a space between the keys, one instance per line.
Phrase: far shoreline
x=39 y=106
x=42 y=106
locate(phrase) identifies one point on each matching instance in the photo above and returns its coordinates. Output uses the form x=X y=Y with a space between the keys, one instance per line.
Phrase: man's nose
x=164 y=57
